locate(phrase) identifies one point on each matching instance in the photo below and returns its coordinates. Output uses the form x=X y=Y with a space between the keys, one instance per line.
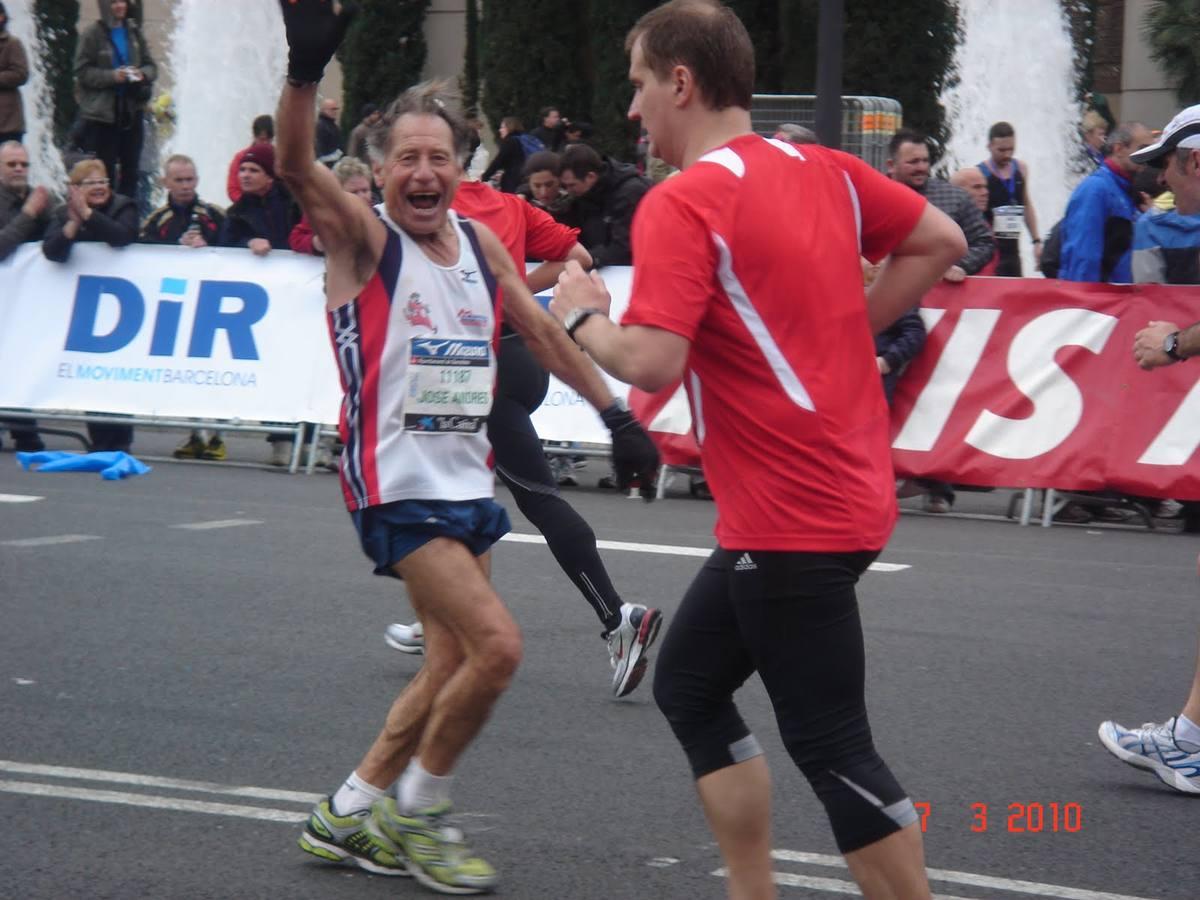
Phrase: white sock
x=419 y=789
x=354 y=795
x=1187 y=732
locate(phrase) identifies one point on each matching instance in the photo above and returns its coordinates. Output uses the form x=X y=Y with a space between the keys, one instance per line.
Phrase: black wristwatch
x=577 y=317
x=1171 y=346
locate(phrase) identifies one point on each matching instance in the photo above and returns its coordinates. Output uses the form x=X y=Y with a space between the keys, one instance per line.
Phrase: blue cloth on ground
x=112 y=465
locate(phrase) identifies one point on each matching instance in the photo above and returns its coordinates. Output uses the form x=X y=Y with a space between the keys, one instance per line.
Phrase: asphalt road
x=173 y=699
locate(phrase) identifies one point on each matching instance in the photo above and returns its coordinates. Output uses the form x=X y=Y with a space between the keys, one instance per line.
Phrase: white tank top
x=417 y=355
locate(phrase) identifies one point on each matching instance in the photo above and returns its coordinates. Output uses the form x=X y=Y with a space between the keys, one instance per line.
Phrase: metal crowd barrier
x=868 y=123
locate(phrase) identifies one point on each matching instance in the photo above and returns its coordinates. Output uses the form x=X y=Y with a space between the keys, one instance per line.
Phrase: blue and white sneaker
x=1153 y=747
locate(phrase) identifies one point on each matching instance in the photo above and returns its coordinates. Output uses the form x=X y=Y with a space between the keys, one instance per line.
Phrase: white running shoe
x=1153 y=747
x=628 y=645
x=405 y=638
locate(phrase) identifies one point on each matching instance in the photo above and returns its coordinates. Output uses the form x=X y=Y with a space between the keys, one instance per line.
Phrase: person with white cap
x=1166 y=249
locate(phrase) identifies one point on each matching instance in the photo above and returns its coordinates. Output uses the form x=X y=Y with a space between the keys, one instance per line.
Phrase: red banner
x=1032 y=383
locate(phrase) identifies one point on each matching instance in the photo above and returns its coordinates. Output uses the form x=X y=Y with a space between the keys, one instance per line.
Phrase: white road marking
x=668 y=549
x=827 y=885
x=153 y=781
x=19 y=498
x=217 y=523
x=966 y=878
x=53 y=539
x=153 y=802
x=178 y=804
x=24 y=682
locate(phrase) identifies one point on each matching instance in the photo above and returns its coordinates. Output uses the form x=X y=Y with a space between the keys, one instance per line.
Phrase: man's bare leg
x=407 y=719
x=737 y=804
x=893 y=868
x=461 y=613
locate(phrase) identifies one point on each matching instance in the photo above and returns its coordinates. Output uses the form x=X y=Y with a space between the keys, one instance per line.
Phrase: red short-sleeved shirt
x=752 y=254
x=522 y=227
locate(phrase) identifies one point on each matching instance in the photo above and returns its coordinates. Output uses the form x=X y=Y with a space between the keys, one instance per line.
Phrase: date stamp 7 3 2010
x=1014 y=818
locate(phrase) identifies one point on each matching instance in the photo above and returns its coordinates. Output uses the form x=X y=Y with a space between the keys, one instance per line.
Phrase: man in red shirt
x=764 y=318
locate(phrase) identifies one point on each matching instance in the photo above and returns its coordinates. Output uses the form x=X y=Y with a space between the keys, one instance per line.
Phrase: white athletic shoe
x=405 y=638
x=628 y=645
x=1153 y=747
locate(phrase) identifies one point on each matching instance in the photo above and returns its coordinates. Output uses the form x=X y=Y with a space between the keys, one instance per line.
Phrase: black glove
x=634 y=456
x=314 y=30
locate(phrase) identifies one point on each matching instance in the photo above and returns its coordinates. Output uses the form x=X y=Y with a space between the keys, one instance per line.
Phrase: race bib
x=1007 y=221
x=448 y=385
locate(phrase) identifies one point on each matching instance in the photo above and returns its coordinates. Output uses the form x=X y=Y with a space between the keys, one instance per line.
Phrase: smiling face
x=421 y=173
x=910 y=165
x=95 y=189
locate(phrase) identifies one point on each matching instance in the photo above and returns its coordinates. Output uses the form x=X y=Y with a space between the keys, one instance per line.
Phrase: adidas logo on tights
x=744 y=563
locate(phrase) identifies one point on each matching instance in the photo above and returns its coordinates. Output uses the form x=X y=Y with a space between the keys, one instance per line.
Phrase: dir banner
x=167 y=332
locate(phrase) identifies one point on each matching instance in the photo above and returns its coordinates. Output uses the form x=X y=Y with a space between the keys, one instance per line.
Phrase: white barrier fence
x=162 y=334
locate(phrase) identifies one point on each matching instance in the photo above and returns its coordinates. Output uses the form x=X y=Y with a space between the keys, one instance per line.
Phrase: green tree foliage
x=1172 y=29
x=533 y=54
x=470 y=75
x=902 y=52
x=609 y=22
x=56 y=21
x=383 y=53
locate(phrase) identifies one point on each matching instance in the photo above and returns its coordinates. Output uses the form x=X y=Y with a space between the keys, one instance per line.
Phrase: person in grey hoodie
x=114 y=73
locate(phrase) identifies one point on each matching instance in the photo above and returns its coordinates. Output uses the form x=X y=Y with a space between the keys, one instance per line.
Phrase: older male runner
x=764 y=319
x=629 y=628
x=413 y=294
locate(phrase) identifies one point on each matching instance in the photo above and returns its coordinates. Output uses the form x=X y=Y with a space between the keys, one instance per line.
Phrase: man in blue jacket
x=1097 y=231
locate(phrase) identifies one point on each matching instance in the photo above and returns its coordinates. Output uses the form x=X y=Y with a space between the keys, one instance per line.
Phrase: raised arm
x=353 y=238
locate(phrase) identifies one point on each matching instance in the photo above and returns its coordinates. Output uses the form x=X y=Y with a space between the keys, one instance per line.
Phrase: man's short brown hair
x=706 y=37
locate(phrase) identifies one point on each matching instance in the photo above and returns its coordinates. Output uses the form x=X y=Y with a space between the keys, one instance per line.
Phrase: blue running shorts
x=392 y=531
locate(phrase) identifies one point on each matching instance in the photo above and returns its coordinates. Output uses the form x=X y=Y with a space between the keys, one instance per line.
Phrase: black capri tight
x=793 y=618
x=521 y=464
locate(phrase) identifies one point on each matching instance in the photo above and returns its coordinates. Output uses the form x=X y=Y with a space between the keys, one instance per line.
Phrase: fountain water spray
x=46 y=165
x=228 y=61
x=1016 y=63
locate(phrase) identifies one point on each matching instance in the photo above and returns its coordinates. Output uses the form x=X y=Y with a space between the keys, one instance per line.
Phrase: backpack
x=530 y=144
x=1052 y=252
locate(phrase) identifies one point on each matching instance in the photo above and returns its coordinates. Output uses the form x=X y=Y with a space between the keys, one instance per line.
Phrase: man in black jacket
x=606 y=193
x=24 y=214
x=184 y=218
x=329 y=135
